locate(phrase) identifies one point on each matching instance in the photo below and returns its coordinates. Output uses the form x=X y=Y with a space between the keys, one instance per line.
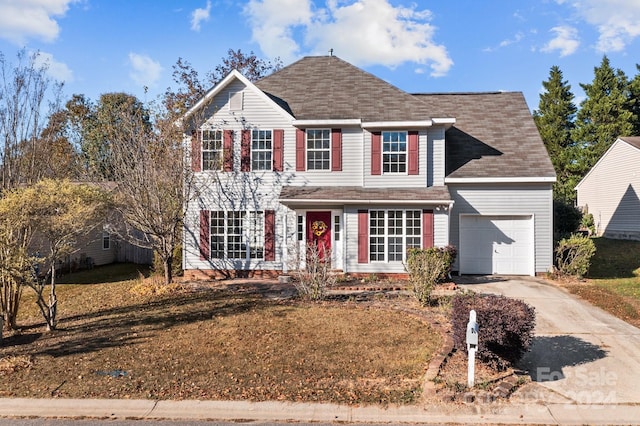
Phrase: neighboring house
x=611 y=189
x=326 y=154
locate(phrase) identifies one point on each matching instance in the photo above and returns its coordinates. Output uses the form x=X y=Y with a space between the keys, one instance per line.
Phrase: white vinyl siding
x=435 y=156
x=509 y=200
x=610 y=192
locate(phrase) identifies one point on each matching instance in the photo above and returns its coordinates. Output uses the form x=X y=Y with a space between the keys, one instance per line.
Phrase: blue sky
x=99 y=46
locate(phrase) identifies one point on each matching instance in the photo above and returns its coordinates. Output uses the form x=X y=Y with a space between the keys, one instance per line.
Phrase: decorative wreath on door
x=319 y=227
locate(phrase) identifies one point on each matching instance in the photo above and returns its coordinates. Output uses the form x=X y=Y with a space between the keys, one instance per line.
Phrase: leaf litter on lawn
x=216 y=343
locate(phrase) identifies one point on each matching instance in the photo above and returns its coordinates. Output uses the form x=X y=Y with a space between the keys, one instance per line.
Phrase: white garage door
x=496 y=245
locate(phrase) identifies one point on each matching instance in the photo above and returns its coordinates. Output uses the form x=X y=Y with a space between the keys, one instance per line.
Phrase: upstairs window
x=318 y=149
x=394 y=152
x=261 y=150
x=212 y=150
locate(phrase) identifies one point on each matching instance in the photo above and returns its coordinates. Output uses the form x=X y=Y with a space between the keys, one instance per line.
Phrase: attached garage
x=497 y=245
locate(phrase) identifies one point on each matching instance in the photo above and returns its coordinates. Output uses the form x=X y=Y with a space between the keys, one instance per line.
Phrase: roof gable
x=633 y=141
x=328 y=88
x=218 y=88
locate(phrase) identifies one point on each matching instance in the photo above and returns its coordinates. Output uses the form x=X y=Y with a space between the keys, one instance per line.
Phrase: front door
x=319 y=234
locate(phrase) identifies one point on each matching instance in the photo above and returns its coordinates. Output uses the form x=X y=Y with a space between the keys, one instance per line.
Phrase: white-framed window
x=394 y=152
x=237 y=235
x=256 y=235
x=106 y=240
x=261 y=150
x=392 y=233
x=300 y=224
x=318 y=149
x=212 y=150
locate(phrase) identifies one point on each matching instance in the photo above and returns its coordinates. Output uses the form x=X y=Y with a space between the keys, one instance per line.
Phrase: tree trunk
x=53 y=302
x=168 y=273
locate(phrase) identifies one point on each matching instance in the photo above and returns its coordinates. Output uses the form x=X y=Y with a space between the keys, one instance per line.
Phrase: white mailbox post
x=472 y=346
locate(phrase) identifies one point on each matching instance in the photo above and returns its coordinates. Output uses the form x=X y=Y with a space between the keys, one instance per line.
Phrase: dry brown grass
x=214 y=343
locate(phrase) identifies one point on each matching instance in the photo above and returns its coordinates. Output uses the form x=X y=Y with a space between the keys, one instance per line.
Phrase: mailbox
x=472 y=331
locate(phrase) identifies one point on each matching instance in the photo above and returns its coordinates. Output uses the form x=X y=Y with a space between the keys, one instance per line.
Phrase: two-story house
x=324 y=153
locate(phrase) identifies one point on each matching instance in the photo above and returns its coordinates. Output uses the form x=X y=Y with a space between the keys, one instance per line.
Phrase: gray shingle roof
x=359 y=194
x=494 y=135
x=326 y=87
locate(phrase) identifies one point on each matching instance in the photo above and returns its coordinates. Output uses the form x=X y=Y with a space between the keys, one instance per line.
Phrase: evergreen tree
x=634 y=101
x=604 y=115
x=555 y=120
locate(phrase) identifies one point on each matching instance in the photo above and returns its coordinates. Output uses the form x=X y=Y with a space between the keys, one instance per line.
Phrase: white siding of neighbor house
x=610 y=192
x=508 y=200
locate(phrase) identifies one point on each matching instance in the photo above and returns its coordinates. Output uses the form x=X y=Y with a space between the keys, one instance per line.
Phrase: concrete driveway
x=580 y=352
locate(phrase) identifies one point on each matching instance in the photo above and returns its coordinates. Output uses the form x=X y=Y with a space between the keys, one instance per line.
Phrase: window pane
x=394 y=152
x=212 y=150
x=256 y=235
x=318 y=149
x=261 y=154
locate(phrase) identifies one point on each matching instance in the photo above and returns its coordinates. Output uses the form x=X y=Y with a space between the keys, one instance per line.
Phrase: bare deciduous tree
x=152 y=180
x=27 y=98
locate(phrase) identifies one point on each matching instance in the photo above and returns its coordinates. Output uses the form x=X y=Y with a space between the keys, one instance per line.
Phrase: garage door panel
x=496 y=245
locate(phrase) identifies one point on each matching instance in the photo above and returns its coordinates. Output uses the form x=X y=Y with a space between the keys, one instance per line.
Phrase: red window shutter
x=196 y=151
x=414 y=154
x=269 y=235
x=300 y=151
x=336 y=150
x=245 y=151
x=228 y=150
x=363 y=236
x=278 y=150
x=376 y=153
x=205 y=230
x=427 y=228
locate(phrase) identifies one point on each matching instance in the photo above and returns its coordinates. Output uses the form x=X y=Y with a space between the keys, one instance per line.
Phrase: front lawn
x=613 y=282
x=207 y=342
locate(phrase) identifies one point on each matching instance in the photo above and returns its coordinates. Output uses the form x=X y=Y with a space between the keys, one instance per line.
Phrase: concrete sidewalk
x=535 y=413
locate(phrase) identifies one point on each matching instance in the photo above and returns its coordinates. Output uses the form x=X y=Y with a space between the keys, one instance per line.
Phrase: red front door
x=319 y=233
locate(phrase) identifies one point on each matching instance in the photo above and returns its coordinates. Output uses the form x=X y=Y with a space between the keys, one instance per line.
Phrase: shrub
x=573 y=255
x=588 y=223
x=505 y=327
x=314 y=279
x=427 y=267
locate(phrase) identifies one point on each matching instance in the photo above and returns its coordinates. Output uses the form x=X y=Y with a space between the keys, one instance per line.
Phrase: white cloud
x=617 y=21
x=566 y=41
x=273 y=22
x=144 y=70
x=364 y=32
x=200 y=15
x=20 y=20
x=506 y=42
x=56 y=70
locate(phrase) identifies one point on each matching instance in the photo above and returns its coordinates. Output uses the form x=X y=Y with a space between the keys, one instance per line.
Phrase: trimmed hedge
x=505 y=327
